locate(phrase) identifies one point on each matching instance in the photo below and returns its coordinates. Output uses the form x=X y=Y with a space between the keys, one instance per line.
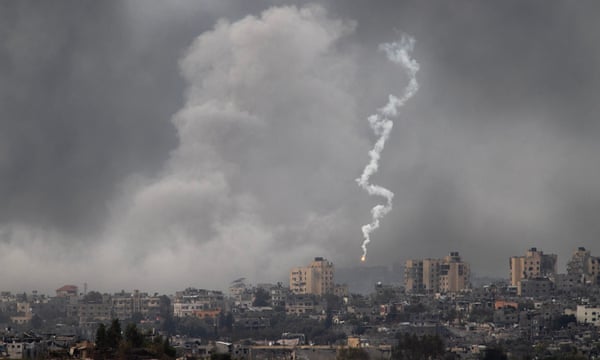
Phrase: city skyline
x=581 y=261
x=167 y=143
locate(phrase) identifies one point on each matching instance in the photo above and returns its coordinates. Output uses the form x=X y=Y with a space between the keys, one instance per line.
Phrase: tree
x=113 y=334
x=101 y=338
x=133 y=336
x=168 y=349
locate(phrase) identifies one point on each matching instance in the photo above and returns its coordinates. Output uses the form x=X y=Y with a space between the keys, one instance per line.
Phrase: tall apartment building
x=449 y=274
x=413 y=276
x=316 y=278
x=455 y=275
x=534 y=264
x=584 y=266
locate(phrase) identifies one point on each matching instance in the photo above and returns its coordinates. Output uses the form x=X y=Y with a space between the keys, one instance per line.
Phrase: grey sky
x=149 y=144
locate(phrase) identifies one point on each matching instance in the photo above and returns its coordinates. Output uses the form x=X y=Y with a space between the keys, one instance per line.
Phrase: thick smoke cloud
x=266 y=152
x=254 y=173
x=256 y=183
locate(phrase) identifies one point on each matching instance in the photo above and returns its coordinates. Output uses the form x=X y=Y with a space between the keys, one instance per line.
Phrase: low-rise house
x=302 y=304
x=192 y=302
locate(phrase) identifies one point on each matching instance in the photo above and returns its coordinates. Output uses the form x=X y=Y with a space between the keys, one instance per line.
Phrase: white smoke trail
x=382 y=126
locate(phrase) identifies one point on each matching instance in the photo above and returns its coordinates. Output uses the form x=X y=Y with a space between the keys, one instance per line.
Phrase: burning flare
x=382 y=126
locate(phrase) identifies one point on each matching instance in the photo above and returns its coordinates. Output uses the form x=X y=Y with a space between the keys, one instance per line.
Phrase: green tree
x=113 y=334
x=168 y=349
x=101 y=337
x=133 y=336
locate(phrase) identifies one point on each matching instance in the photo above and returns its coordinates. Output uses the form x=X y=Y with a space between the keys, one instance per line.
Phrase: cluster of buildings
x=536 y=303
x=531 y=275
x=535 y=274
x=449 y=274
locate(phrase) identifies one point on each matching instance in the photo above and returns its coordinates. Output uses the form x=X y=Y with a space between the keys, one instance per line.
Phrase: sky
x=158 y=145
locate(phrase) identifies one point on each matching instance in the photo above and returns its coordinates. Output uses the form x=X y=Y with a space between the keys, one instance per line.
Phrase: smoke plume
x=382 y=124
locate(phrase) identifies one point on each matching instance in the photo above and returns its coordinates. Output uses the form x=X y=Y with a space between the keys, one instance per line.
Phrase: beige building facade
x=535 y=264
x=455 y=274
x=413 y=275
x=449 y=274
x=316 y=278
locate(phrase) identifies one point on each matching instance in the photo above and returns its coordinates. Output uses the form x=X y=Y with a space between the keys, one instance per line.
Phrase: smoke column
x=382 y=126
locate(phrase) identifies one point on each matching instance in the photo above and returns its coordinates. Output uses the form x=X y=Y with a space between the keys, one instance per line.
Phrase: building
x=91 y=311
x=67 y=291
x=567 y=282
x=431 y=274
x=302 y=305
x=341 y=290
x=535 y=264
x=455 y=275
x=315 y=279
x=535 y=287
x=413 y=276
x=588 y=315
x=125 y=305
x=584 y=266
x=68 y=299
x=449 y=274
x=197 y=302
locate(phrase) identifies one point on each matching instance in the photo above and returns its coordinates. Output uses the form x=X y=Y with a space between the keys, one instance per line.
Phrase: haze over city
x=164 y=144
